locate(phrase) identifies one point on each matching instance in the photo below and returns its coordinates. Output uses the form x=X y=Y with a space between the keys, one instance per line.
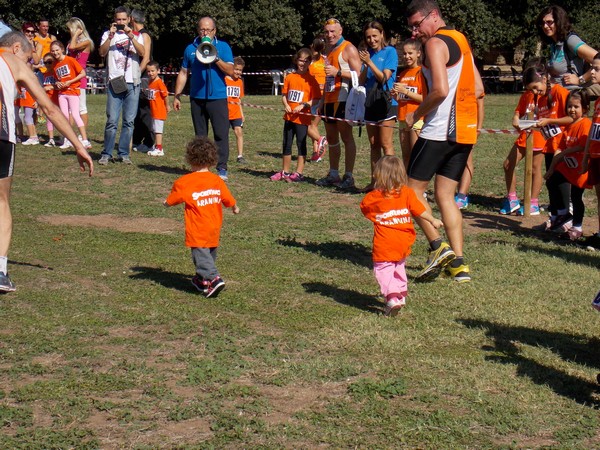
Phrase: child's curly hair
x=201 y=152
x=389 y=174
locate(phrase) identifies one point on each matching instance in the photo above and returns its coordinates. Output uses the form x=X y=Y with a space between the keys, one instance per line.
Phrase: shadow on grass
x=565 y=250
x=171 y=280
x=493 y=221
x=491 y=203
x=162 y=168
x=347 y=251
x=26 y=264
x=345 y=296
x=570 y=347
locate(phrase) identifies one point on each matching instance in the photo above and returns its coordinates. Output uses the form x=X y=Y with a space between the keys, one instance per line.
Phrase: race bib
x=329 y=84
x=595 y=132
x=571 y=162
x=233 y=91
x=295 y=96
x=412 y=89
x=549 y=131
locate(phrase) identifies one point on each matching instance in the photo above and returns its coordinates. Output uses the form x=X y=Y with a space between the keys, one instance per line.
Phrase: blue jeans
x=128 y=102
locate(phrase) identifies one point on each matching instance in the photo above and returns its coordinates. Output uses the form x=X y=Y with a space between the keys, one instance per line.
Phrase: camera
x=120 y=27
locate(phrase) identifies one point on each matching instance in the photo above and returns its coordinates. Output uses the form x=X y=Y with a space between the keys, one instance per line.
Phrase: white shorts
x=158 y=125
x=82 y=102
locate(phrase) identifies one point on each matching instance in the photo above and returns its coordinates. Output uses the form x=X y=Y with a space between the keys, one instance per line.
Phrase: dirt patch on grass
x=289 y=400
x=151 y=225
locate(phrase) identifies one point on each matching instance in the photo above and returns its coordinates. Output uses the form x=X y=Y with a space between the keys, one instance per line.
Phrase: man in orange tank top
x=450 y=112
x=341 y=59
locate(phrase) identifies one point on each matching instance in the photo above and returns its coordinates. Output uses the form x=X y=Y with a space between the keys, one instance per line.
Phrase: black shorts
x=594 y=171
x=233 y=123
x=445 y=158
x=7 y=159
x=337 y=110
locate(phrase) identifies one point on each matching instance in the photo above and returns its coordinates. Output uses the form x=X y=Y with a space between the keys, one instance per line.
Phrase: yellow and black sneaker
x=438 y=259
x=459 y=274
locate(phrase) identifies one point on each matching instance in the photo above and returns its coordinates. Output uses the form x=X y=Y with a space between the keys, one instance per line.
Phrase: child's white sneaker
x=32 y=141
x=156 y=152
x=66 y=144
x=393 y=306
x=50 y=143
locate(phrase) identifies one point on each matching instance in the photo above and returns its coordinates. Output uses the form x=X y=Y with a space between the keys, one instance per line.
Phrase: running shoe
x=199 y=283
x=460 y=274
x=596 y=305
x=321 y=149
x=126 y=160
x=86 y=144
x=544 y=226
x=50 y=143
x=393 y=306
x=329 y=180
x=241 y=160
x=347 y=182
x=534 y=210
x=104 y=159
x=562 y=224
x=222 y=174
x=461 y=202
x=572 y=234
x=592 y=242
x=279 y=176
x=509 y=206
x=6 y=284
x=437 y=260
x=215 y=286
x=295 y=178
x=32 y=141
x=66 y=144
x=156 y=152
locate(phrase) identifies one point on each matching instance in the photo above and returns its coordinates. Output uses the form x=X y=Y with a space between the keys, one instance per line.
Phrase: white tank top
x=8 y=94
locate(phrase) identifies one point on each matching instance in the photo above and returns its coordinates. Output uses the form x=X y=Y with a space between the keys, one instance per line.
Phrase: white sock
x=3 y=264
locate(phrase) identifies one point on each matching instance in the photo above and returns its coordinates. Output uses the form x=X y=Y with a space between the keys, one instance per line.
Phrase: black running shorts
x=7 y=159
x=429 y=158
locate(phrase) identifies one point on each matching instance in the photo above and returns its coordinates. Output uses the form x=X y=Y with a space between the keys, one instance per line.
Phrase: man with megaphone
x=209 y=61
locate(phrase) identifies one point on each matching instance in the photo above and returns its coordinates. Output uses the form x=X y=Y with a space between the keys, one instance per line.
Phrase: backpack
x=355 y=103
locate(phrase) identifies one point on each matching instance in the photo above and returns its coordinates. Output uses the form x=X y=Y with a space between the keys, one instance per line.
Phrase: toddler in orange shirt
x=390 y=206
x=204 y=195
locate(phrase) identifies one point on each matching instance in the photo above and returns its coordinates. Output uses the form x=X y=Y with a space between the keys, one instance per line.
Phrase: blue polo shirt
x=207 y=81
x=386 y=58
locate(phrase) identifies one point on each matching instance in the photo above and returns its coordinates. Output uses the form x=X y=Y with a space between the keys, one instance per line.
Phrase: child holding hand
x=204 y=195
x=390 y=206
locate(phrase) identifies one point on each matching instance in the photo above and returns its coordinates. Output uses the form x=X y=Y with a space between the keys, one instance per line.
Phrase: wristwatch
x=581 y=80
x=339 y=73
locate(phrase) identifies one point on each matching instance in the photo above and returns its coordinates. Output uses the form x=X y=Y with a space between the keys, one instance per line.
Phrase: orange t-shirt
x=595 y=133
x=552 y=133
x=235 y=93
x=575 y=135
x=300 y=88
x=394 y=232
x=415 y=82
x=66 y=70
x=204 y=195
x=526 y=105
x=24 y=99
x=156 y=94
x=317 y=70
x=49 y=80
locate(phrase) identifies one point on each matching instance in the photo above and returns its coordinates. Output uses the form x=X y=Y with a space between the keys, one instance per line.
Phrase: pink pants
x=391 y=277
x=70 y=103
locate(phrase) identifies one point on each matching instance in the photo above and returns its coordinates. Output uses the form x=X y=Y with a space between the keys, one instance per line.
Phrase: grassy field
x=106 y=344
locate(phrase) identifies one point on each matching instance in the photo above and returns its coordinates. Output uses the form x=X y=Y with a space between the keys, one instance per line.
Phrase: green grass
x=106 y=344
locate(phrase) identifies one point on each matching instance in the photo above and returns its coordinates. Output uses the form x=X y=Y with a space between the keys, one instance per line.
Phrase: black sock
x=457 y=262
x=435 y=244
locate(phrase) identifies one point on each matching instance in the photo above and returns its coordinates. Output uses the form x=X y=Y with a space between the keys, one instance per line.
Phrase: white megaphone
x=206 y=52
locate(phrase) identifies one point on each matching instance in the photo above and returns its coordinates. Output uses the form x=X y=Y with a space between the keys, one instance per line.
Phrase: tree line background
x=263 y=27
